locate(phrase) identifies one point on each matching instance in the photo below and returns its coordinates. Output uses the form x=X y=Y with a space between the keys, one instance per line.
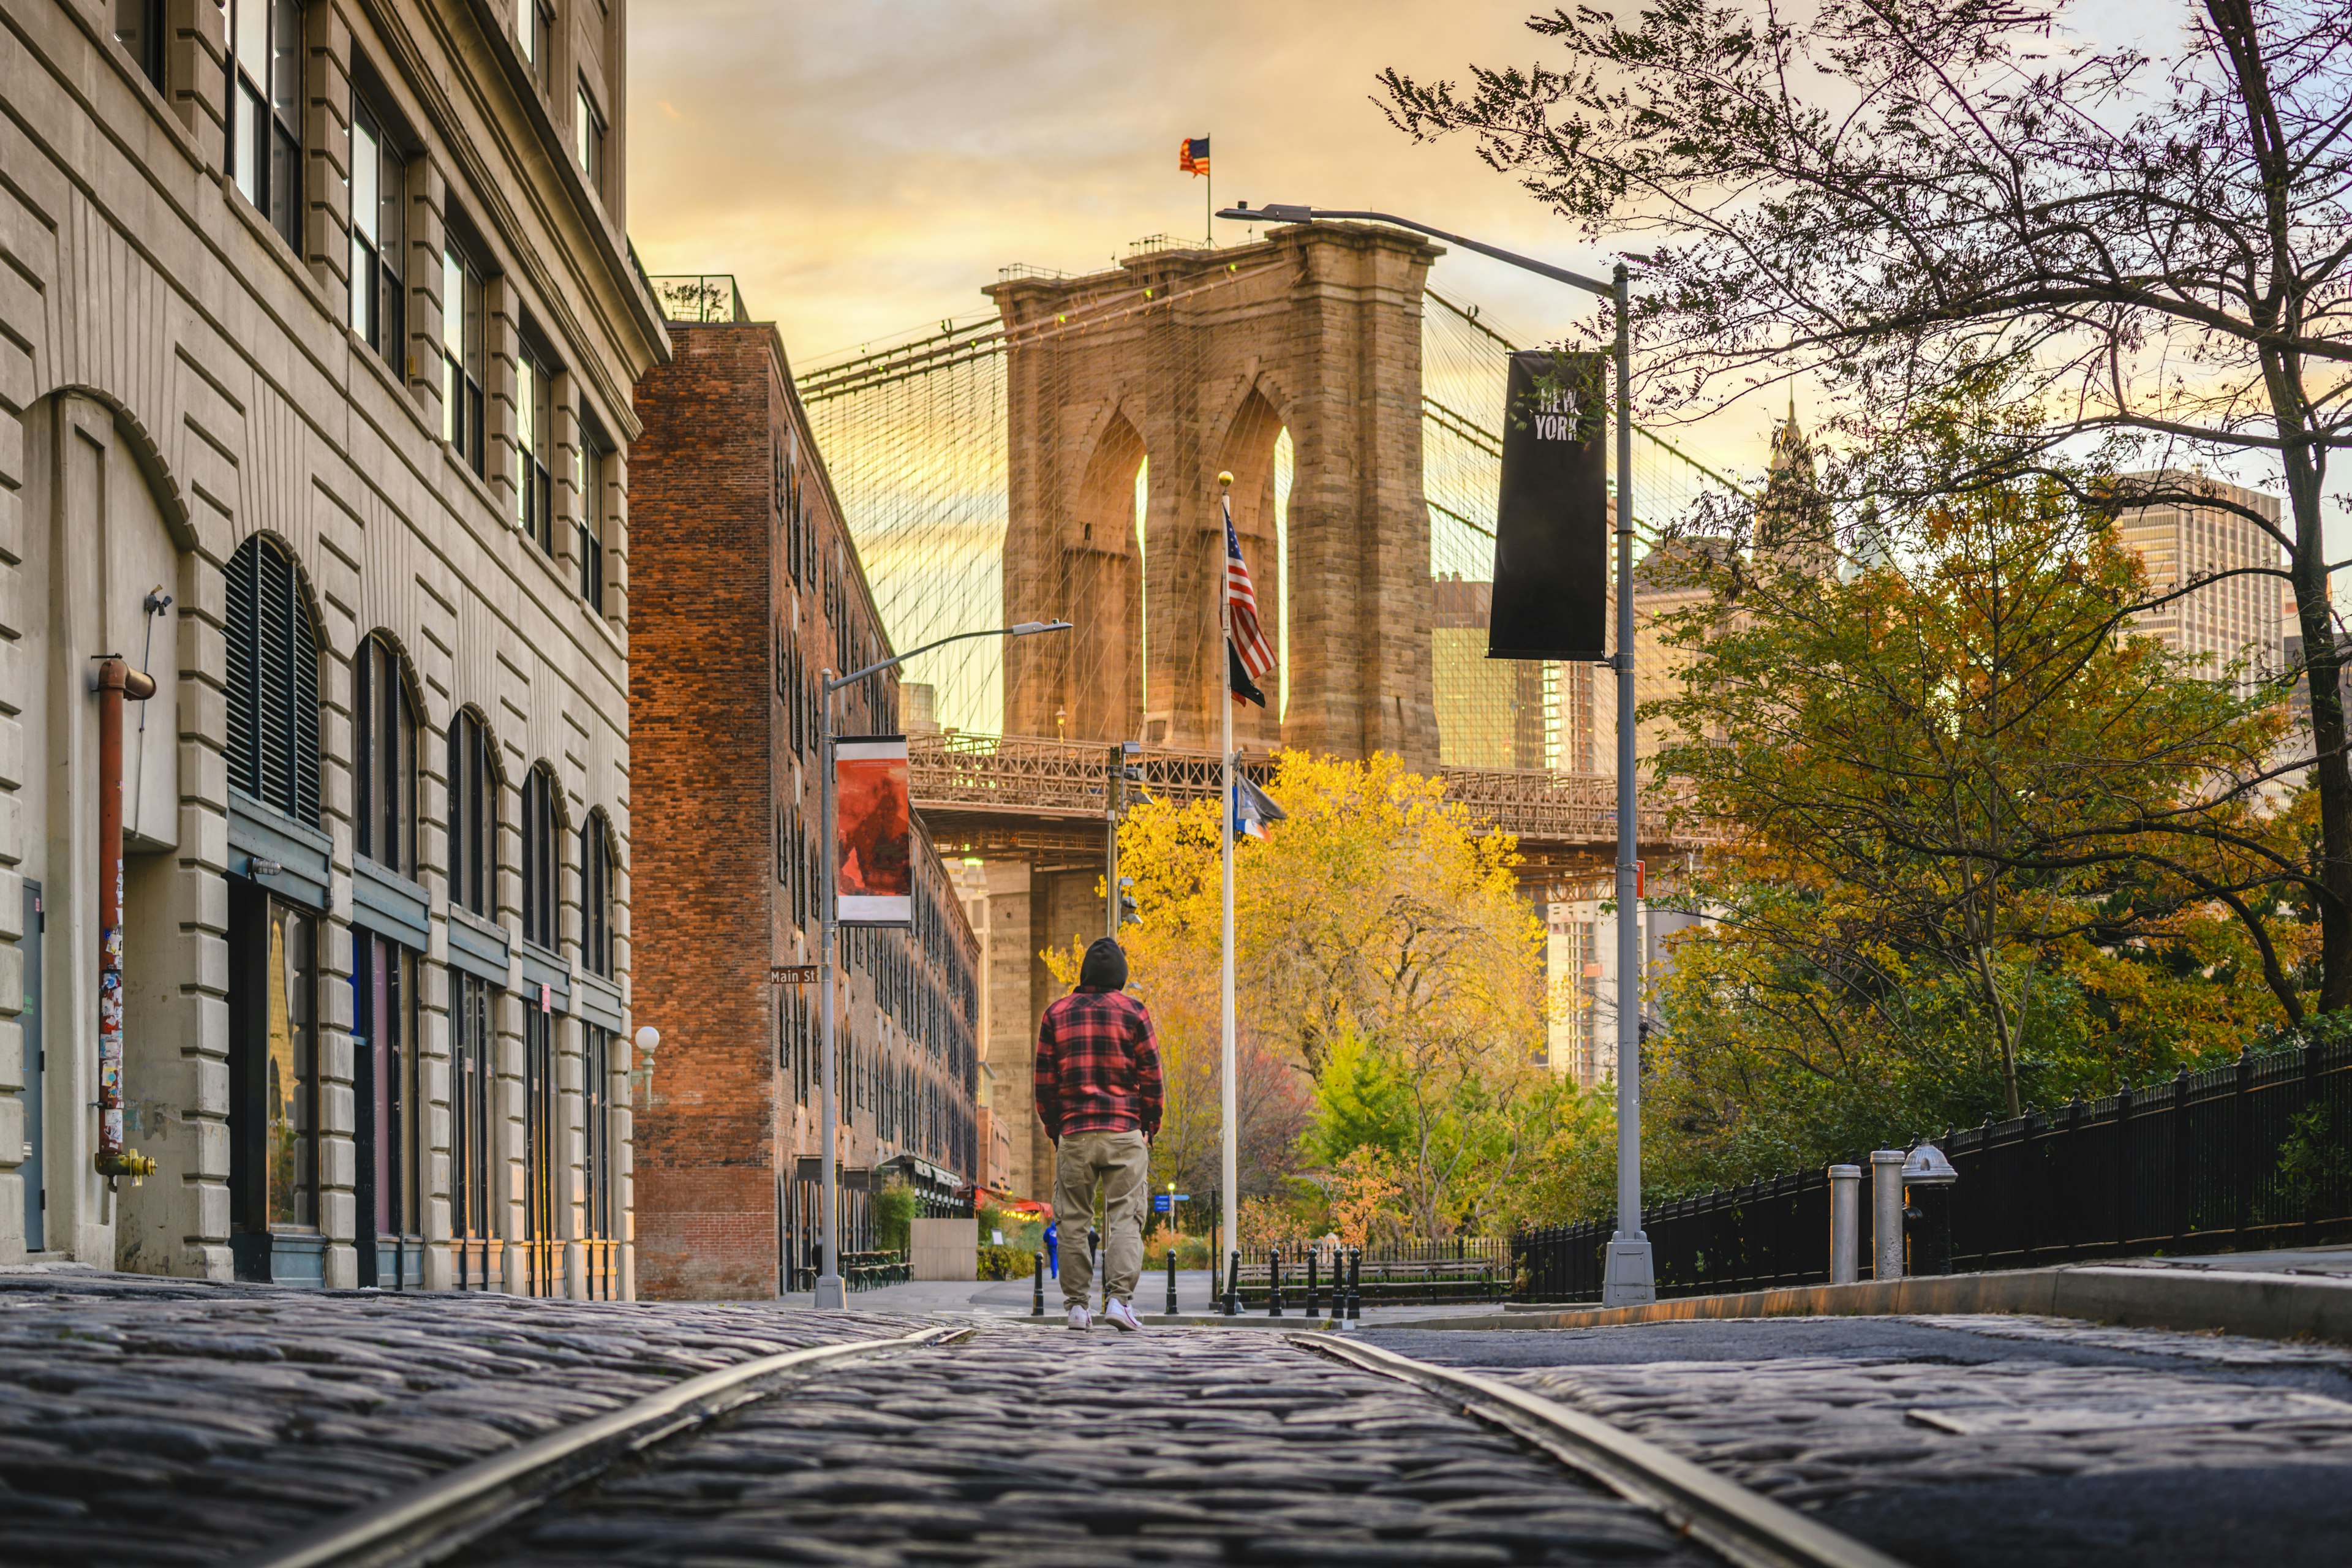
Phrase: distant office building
x=746 y=587
x=2225 y=621
x=1491 y=713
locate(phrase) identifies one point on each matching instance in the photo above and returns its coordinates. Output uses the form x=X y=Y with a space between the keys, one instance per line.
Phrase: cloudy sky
x=865 y=166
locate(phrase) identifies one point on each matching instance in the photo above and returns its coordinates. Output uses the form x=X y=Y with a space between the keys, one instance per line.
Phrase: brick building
x=745 y=586
x=314 y=374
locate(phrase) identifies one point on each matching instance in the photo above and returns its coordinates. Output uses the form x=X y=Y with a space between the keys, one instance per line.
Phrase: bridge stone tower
x=1196 y=361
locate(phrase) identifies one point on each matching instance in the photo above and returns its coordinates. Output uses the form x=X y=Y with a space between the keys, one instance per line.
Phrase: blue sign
x=1162 y=1202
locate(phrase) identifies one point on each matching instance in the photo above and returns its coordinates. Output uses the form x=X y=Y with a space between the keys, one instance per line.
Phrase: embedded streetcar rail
x=1743 y=1527
x=433 y=1522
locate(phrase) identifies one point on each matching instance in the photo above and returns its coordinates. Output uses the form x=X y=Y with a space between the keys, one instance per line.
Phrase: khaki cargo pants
x=1121 y=1162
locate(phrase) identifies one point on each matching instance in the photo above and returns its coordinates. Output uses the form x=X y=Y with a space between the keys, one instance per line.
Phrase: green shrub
x=1005 y=1262
x=895 y=1207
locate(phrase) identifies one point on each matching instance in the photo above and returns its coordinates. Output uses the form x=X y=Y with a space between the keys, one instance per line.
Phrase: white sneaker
x=1122 y=1317
x=1078 y=1318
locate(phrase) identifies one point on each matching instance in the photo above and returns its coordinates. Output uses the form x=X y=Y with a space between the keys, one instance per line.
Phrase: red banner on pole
x=874 y=877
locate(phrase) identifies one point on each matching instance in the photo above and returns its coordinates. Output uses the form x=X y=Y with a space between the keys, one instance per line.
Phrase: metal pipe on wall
x=116 y=681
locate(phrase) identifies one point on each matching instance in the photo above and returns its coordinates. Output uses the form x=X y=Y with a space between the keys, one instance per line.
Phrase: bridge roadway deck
x=1023 y=796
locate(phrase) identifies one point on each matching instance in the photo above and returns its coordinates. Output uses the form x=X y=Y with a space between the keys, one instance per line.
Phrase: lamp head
x=1273 y=212
x=647 y=1037
x=1031 y=628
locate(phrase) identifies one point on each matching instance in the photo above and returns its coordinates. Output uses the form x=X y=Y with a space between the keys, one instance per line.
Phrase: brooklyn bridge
x=1057 y=456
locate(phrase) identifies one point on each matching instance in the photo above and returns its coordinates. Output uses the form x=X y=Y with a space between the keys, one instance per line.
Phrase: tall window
x=139 y=29
x=385 y=725
x=379 y=189
x=273 y=681
x=534 y=432
x=588 y=139
x=387 y=1084
x=535 y=36
x=539 y=865
x=264 y=110
x=596 y=893
x=463 y=354
x=473 y=817
x=596 y=1159
x=540 y=1153
x=590 y=478
x=470 y=1088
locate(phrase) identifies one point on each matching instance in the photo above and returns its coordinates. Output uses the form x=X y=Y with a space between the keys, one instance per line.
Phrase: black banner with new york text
x=1551 y=522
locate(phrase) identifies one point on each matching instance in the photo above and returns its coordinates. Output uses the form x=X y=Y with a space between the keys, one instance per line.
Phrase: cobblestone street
x=154 y=1422
x=1962 y=1440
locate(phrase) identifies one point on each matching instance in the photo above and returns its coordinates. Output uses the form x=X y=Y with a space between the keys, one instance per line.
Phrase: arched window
x=273 y=681
x=539 y=865
x=473 y=818
x=596 y=893
x=383 y=722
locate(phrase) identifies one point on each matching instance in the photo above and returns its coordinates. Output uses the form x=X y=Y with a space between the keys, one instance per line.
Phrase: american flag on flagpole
x=1249 y=645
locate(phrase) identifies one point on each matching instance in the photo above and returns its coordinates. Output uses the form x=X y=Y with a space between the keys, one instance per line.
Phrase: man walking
x=1098 y=1096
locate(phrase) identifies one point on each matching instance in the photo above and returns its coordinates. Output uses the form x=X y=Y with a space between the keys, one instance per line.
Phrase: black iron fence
x=2254 y=1154
x=1457 y=1268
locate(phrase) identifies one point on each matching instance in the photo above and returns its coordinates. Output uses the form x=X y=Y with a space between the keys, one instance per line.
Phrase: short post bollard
x=1928 y=1178
x=1845 y=1224
x=1171 y=1282
x=1234 y=1285
x=1037 y=1293
x=1355 y=1283
x=1273 y=1282
x=1094 y=1260
x=1313 y=1296
x=1886 y=1214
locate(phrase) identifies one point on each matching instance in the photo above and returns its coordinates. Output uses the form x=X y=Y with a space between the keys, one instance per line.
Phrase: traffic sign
x=1163 y=1202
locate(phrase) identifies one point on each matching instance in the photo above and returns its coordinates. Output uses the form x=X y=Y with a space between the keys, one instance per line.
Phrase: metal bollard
x=1845 y=1224
x=1038 y=1295
x=1171 y=1282
x=1094 y=1260
x=1233 y=1286
x=1313 y=1297
x=1355 y=1283
x=1273 y=1282
x=1886 y=1214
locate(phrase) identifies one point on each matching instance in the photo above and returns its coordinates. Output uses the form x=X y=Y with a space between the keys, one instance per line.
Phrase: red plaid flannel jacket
x=1097 y=1066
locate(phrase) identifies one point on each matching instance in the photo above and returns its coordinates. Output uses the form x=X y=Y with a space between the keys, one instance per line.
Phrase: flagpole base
x=1629 y=1281
x=830 y=1297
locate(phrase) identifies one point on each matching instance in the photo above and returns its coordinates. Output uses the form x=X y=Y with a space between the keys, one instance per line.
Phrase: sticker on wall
x=873 y=868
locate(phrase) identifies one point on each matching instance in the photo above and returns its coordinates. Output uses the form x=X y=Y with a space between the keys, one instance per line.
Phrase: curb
x=2266 y=1306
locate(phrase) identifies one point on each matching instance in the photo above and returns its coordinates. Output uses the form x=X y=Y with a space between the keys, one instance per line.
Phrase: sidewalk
x=1195 y=1301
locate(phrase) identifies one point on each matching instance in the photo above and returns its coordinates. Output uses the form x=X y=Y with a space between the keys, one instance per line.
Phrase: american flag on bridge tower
x=1193 y=156
x=1247 y=656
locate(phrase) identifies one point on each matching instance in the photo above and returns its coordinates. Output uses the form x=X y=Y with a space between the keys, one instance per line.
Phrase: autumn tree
x=1892 y=199
x=1380 y=923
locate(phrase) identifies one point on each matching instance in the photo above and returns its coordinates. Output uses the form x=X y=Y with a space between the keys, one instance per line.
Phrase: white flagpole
x=1225 y=836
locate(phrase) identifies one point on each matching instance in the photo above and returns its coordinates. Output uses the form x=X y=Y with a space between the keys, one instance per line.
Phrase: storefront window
x=291 y=1097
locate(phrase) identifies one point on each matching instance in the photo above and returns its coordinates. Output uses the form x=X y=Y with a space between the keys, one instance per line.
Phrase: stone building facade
x=747 y=586
x=316 y=343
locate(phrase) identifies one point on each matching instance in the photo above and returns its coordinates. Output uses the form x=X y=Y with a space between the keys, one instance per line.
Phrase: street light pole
x=1628 y=1278
x=830 y=1297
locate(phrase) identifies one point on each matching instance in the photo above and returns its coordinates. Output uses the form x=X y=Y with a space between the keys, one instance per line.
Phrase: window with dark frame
x=264 y=110
x=535 y=37
x=588 y=139
x=463 y=354
x=590 y=456
x=470 y=1087
x=534 y=433
x=273 y=681
x=539 y=865
x=473 y=817
x=384 y=723
x=379 y=182
x=596 y=893
x=139 y=29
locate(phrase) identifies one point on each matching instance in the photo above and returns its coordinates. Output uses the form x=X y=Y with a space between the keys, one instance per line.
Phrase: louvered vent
x=273 y=682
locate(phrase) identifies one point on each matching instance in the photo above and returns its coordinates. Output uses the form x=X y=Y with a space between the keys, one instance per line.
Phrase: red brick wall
x=701 y=524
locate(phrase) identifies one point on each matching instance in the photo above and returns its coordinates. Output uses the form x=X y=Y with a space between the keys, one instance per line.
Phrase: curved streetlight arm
x=1277 y=212
x=1025 y=630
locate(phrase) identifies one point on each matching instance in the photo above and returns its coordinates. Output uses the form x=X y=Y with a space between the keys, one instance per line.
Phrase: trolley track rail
x=1744 y=1527
x=431 y=1522
x=437 y=1521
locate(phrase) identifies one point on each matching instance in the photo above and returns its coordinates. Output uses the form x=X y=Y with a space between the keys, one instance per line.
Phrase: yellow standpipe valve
x=127 y=1162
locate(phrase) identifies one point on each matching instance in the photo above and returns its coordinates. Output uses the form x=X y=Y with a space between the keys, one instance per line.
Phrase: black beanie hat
x=1105 y=968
